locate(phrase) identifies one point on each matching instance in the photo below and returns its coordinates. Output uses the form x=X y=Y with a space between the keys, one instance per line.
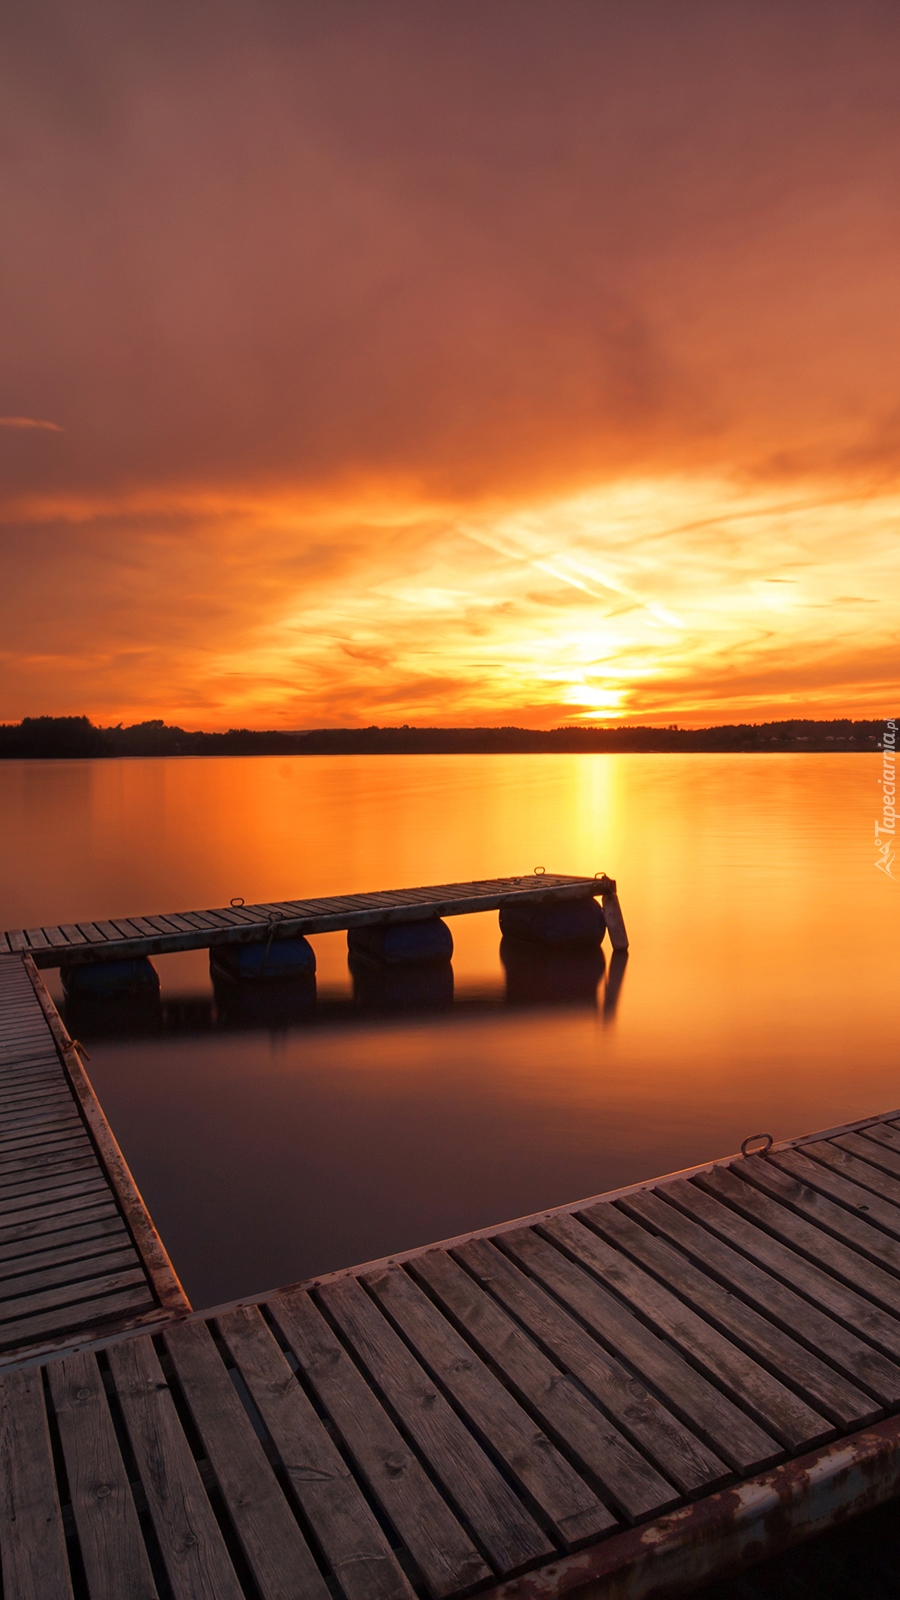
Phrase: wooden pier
x=78 y=1252
x=126 y=937
x=620 y=1397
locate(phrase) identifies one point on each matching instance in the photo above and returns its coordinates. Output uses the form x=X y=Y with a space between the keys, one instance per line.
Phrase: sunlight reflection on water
x=759 y=991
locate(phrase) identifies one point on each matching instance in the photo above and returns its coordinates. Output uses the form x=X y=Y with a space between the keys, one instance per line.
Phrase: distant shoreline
x=76 y=738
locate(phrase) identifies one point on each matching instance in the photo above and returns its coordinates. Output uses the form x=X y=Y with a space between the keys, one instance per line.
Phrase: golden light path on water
x=759 y=992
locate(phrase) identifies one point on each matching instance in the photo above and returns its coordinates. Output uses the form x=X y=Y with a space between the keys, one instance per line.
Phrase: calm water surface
x=759 y=993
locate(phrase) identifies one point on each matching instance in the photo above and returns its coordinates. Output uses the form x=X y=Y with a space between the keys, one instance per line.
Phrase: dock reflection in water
x=579 y=978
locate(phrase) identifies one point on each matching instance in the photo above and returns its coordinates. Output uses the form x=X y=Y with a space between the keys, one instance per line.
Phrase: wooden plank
x=877 y=1155
x=883 y=1134
x=37 y=939
x=50 y=1178
x=683 y=1458
x=273 y=1545
x=70 y=1273
x=72 y=933
x=109 y=1533
x=444 y=1553
x=87 y=1318
x=491 y=1412
x=91 y=933
x=825 y=1334
x=159 y=1268
x=863 y=1176
x=733 y=1435
x=773 y=1405
x=59 y=1195
x=129 y=928
x=32 y=1541
x=66 y=1245
x=505 y=1529
x=69 y=1294
x=16 y=939
x=631 y=1481
x=40 y=1158
x=59 y=939
x=10 y=1149
x=110 y=932
x=795 y=1364
x=38 y=1227
x=193 y=1550
x=52 y=1214
x=804 y=1197
x=836 y=1258
x=353 y=1543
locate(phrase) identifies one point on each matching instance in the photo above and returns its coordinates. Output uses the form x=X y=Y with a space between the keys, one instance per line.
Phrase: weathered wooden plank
x=32 y=1541
x=59 y=939
x=110 y=932
x=50 y=1178
x=69 y=1295
x=17 y=939
x=804 y=1195
x=275 y=1549
x=861 y=1175
x=193 y=1550
x=87 y=1318
x=683 y=1458
x=91 y=933
x=837 y=1258
x=629 y=1478
x=506 y=1530
x=827 y=1335
x=72 y=1273
x=109 y=1533
x=572 y=1509
x=794 y=1363
x=41 y=1157
x=129 y=928
x=353 y=1543
x=444 y=1553
x=877 y=1155
x=53 y=1214
x=883 y=1134
x=37 y=939
x=42 y=1142
x=38 y=1227
x=734 y=1435
x=771 y=1402
x=95 y=1248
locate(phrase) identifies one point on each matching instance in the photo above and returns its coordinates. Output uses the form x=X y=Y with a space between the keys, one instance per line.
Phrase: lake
x=759 y=993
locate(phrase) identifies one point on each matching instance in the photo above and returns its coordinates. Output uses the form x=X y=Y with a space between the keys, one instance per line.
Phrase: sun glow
x=678 y=599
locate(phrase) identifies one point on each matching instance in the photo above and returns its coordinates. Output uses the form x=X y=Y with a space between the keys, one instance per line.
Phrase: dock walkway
x=126 y=937
x=618 y=1397
x=78 y=1252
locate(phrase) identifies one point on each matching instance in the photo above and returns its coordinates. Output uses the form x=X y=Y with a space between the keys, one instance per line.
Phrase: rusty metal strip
x=728 y=1531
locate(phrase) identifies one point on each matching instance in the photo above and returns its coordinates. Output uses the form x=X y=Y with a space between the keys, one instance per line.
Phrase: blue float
x=556 y=922
x=401 y=944
x=275 y=958
x=100 y=980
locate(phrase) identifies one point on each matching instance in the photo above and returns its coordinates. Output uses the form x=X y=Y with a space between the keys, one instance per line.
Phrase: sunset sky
x=449 y=361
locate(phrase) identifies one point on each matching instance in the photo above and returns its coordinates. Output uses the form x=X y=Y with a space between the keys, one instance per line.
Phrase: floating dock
x=127 y=937
x=621 y=1397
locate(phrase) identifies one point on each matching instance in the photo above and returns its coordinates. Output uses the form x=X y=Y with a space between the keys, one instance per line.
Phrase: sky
x=474 y=362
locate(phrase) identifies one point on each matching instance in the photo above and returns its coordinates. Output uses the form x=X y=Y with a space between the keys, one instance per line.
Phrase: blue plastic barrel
x=402 y=943
x=98 y=980
x=276 y=958
x=559 y=922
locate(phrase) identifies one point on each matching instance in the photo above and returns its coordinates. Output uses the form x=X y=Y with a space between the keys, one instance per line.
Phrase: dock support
x=615 y=922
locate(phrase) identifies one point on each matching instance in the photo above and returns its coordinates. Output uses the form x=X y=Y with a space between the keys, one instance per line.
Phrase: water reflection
x=535 y=977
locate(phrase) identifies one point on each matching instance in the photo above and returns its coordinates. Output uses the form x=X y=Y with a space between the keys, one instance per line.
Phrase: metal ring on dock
x=751 y=1139
x=236 y=900
x=539 y=872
